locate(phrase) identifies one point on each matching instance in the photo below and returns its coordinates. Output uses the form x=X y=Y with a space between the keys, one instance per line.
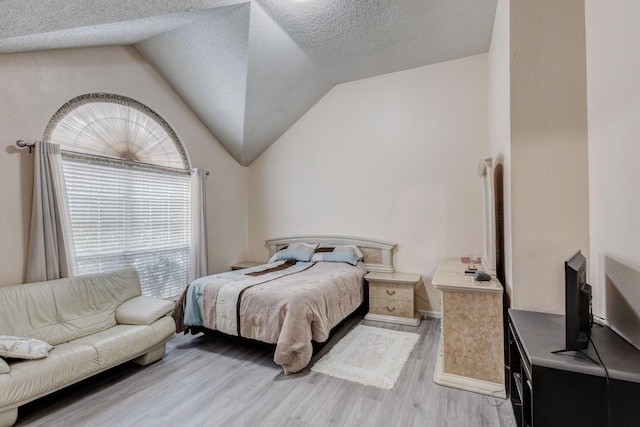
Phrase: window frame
x=169 y=142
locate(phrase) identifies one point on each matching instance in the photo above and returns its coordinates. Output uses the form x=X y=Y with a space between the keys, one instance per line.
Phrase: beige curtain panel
x=199 y=254
x=51 y=249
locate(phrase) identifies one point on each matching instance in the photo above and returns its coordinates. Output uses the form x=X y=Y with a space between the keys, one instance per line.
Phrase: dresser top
x=409 y=278
x=450 y=276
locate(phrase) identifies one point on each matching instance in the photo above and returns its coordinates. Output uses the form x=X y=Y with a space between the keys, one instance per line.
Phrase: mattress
x=286 y=303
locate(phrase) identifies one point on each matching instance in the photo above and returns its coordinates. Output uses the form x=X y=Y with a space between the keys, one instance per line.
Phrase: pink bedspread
x=289 y=311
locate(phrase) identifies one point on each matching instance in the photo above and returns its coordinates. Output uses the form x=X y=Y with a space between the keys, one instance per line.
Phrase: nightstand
x=391 y=298
x=245 y=264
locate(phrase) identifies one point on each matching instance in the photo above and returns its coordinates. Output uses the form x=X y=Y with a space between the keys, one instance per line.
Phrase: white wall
x=613 y=81
x=549 y=162
x=34 y=85
x=392 y=157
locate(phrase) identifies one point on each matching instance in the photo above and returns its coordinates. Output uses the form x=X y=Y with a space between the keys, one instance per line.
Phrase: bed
x=309 y=285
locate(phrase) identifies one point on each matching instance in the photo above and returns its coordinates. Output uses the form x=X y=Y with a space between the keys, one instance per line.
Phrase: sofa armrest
x=4 y=367
x=143 y=310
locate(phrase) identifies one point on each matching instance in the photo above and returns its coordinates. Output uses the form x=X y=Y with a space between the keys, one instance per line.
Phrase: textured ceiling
x=250 y=69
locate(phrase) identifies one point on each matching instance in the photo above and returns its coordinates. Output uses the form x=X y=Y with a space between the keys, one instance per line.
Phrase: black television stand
x=555 y=388
x=562 y=351
x=566 y=350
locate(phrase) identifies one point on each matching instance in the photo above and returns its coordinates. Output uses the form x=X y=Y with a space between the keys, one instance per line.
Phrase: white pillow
x=23 y=348
x=4 y=367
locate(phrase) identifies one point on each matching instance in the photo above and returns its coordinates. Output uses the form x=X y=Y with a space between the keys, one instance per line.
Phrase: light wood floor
x=215 y=381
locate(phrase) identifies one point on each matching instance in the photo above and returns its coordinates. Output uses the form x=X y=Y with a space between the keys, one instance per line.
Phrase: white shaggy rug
x=369 y=355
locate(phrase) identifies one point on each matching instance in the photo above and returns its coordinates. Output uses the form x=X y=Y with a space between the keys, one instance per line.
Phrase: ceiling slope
x=283 y=83
x=241 y=74
x=355 y=39
x=250 y=69
x=31 y=25
x=206 y=64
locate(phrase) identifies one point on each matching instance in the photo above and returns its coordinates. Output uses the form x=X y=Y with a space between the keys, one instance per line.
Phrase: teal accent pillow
x=296 y=252
x=338 y=253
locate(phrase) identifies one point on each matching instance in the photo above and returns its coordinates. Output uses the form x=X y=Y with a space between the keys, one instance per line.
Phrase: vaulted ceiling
x=251 y=69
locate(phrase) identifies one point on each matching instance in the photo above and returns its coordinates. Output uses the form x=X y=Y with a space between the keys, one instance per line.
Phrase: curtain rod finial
x=22 y=144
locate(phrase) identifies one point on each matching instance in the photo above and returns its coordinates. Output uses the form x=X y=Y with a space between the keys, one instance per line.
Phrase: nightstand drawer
x=391 y=291
x=391 y=307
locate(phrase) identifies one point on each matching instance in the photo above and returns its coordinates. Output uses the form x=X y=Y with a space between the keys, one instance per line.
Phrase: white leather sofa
x=93 y=322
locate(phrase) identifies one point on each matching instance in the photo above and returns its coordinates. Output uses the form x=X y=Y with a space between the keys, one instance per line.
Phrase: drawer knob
x=391 y=309
x=390 y=292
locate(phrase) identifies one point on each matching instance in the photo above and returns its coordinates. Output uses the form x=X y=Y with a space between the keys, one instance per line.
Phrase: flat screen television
x=578 y=318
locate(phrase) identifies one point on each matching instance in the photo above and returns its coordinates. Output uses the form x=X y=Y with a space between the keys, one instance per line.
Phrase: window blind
x=123 y=215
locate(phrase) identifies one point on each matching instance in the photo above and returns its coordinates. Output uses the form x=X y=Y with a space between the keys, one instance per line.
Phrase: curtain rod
x=23 y=144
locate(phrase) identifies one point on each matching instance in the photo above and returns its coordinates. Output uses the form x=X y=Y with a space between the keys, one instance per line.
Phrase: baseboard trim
x=425 y=314
x=412 y=321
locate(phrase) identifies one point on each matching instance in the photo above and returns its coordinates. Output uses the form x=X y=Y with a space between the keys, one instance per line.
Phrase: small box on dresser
x=391 y=297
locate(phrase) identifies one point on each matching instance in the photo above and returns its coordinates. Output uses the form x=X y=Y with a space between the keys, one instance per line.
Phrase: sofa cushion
x=28 y=311
x=62 y=310
x=122 y=342
x=87 y=304
x=23 y=348
x=29 y=379
x=143 y=310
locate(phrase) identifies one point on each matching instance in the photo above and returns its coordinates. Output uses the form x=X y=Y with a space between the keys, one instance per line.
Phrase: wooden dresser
x=391 y=297
x=471 y=353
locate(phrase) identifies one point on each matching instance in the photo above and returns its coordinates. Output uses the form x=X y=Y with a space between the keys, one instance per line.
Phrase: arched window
x=129 y=189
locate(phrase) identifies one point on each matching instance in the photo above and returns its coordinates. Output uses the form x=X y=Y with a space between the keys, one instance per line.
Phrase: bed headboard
x=378 y=254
